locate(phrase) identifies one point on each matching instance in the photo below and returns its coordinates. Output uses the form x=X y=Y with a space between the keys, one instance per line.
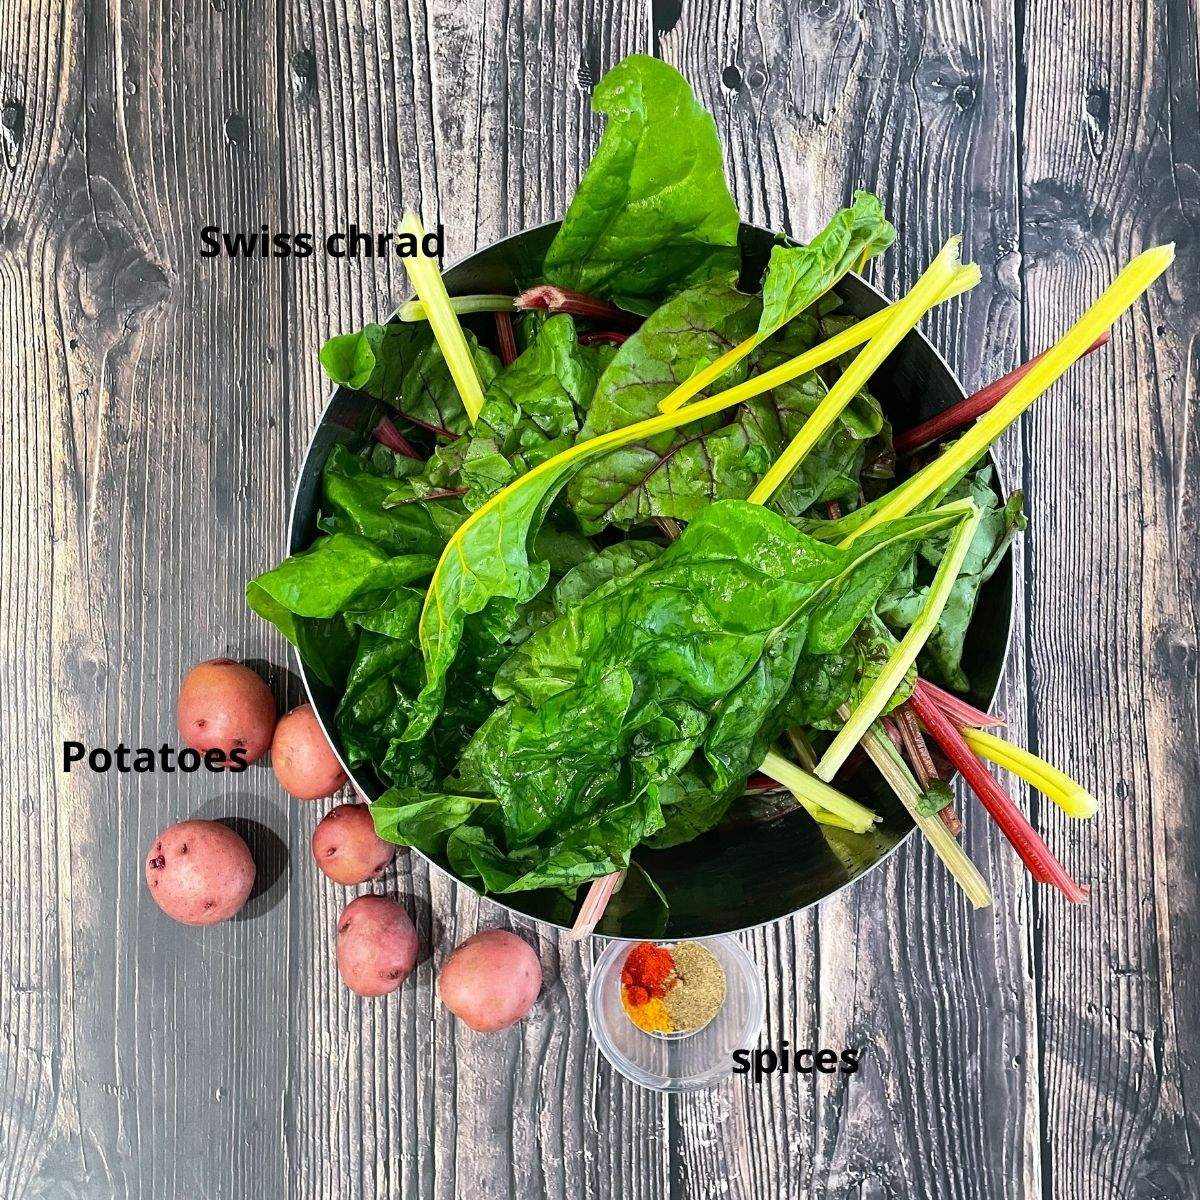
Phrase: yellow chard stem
x=892 y=675
x=893 y=768
x=810 y=360
x=1073 y=799
x=821 y=801
x=902 y=316
x=431 y=291
x=1117 y=298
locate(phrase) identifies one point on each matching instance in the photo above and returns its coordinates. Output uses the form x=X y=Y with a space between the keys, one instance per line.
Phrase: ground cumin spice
x=699 y=989
x=676 y=990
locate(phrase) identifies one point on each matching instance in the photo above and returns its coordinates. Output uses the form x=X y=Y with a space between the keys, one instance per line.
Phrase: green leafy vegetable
x=323 y=580
x=999 y=523
x=397 y=361
x=357 y=499
x=488 y=557
x=677 y=473
x=893 y=672
x=541 y=395
x=423 y=820
x=798 y=275
x=612 y=699
x=307 y=597
x=653 y=213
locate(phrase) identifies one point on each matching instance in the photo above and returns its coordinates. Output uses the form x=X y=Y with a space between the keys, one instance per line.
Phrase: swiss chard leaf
x=798 y=275
x=653 y=213
x=943 y=652
x=307 y=597
x=422 y=820
x=532 y=409
x=323 y=580
x=596 y=847
x=613 y=698
x=385 y=681
x=669 y=472
x=359 y=500
x=403 y=365
x=691 y=805
x=540 y=396
x=553 y=767
x=677 y=474
x=825 y=682
x=614 y=562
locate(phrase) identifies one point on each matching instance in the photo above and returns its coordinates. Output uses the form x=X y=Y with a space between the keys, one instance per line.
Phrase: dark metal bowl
x=749 y=871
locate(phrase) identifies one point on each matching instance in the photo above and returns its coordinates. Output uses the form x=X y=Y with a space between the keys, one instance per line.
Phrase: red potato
x=346 y=846
x=223 y=705
x=199 y=872
x=303 y=760
x=491 y=981
x=376 y=945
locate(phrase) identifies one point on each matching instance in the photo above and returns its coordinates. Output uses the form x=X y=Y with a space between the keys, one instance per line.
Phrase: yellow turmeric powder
x=651 y=1016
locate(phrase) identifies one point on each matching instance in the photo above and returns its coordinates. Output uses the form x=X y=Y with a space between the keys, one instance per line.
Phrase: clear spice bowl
x=677 y=1062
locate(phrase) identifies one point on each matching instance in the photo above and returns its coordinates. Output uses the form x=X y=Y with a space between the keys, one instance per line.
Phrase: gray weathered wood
x=158 y=408
x=1110 y=158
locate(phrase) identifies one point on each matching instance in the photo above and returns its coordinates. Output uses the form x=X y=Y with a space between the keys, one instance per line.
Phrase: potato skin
x=376 y=945
x=491 y=981
x=224 y=705
x=303 y=760
x=346 y=846
x=199 y=872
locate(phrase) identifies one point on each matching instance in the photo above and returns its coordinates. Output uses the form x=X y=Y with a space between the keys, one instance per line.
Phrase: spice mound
x=671 y=989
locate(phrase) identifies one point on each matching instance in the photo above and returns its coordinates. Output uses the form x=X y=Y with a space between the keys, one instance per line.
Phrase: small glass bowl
x=677 y=1062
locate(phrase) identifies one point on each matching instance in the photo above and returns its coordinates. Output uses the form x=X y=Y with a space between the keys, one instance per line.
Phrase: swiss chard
x=676 y=474
x=309 y=596
x=488 y=556
x=394 y=361
x=613 y=698
x=999 y=523
x=796 y=278
x=653 y=213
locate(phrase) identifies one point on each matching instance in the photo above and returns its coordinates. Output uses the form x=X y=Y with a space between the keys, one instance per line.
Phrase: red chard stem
x=564 y=300
x=386 y=434
x=439 y=430
x=1035 y=854
x=507 y=338
x=968 y=410
x=959 y=711
x=433 y=494
x=951 y=819
x=914 y=745
x=603 y=335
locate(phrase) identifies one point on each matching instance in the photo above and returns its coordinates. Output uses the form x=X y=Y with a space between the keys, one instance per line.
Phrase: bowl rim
x=1004 y=486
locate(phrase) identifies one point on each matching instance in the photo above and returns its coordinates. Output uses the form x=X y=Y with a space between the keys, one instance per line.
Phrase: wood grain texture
x=1110 y=157
x=158 y=409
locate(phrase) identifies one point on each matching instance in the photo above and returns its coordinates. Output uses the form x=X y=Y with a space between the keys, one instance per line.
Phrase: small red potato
x=223 y=705
x=346 y=846
x=302 y=758
x=376 y=945
x=491 y=981
x=199 y=872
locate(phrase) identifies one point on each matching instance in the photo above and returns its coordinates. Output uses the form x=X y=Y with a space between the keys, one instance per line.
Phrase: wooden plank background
x=156 y=411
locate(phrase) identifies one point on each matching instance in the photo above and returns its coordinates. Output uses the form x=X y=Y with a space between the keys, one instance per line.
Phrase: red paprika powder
x=647 y=975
